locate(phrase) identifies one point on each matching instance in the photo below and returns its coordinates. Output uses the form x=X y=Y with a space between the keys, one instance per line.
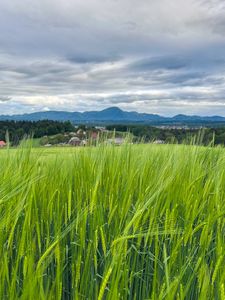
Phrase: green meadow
x=130 y=222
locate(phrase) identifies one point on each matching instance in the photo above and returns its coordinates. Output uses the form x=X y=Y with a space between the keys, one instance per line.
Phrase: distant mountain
x=110 y=115
x=185 y=118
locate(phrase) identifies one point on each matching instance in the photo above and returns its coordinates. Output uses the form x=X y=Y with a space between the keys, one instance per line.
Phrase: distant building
x=2 y=144
x=94 y=135
x=74 y=141
x=80 y=131
x=83 y=143
x=158 y=142
x=116 y=141
x=101 y=128
x=72 y=134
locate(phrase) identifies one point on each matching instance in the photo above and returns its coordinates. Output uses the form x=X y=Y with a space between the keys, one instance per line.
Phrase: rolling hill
x=112 y=115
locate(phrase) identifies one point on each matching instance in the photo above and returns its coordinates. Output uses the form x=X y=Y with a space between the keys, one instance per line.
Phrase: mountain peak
x=113 y=109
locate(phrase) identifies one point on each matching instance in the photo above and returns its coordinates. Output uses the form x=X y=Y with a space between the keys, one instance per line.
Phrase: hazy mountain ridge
x=112 y=114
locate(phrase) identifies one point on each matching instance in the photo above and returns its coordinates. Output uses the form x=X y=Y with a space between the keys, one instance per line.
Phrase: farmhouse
x=2 y=144
x=74 y=141
x=72 y=134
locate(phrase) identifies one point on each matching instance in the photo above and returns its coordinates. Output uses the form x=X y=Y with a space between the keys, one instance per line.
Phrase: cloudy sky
x=156 y=56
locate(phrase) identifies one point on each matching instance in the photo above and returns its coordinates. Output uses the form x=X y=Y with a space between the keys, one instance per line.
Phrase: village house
x=101 y=128
x=158 y=142
x=74 y=141
x=116 y=141
x=81 y=133
x=83 y=143
x=2 y=144
x=94 y=135
x=72 y=134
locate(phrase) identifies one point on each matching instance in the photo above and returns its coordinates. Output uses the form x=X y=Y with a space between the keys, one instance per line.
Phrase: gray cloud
x=150 y=56
x=4 y=99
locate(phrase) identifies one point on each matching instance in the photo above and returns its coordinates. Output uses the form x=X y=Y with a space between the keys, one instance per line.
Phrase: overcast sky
x=156 y=56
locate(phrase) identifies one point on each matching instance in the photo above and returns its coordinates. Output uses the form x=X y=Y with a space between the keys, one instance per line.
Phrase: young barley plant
x=107 y=222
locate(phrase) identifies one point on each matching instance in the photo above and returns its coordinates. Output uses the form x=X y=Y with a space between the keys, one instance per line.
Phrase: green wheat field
x=130 y=222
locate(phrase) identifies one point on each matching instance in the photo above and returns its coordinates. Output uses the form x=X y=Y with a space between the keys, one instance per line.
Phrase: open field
x=129 y=222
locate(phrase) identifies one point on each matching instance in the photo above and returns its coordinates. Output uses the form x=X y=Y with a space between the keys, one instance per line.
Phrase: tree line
x=176 y=135
x=17 y=130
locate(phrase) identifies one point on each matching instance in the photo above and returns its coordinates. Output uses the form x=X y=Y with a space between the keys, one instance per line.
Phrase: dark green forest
x=17 y=130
